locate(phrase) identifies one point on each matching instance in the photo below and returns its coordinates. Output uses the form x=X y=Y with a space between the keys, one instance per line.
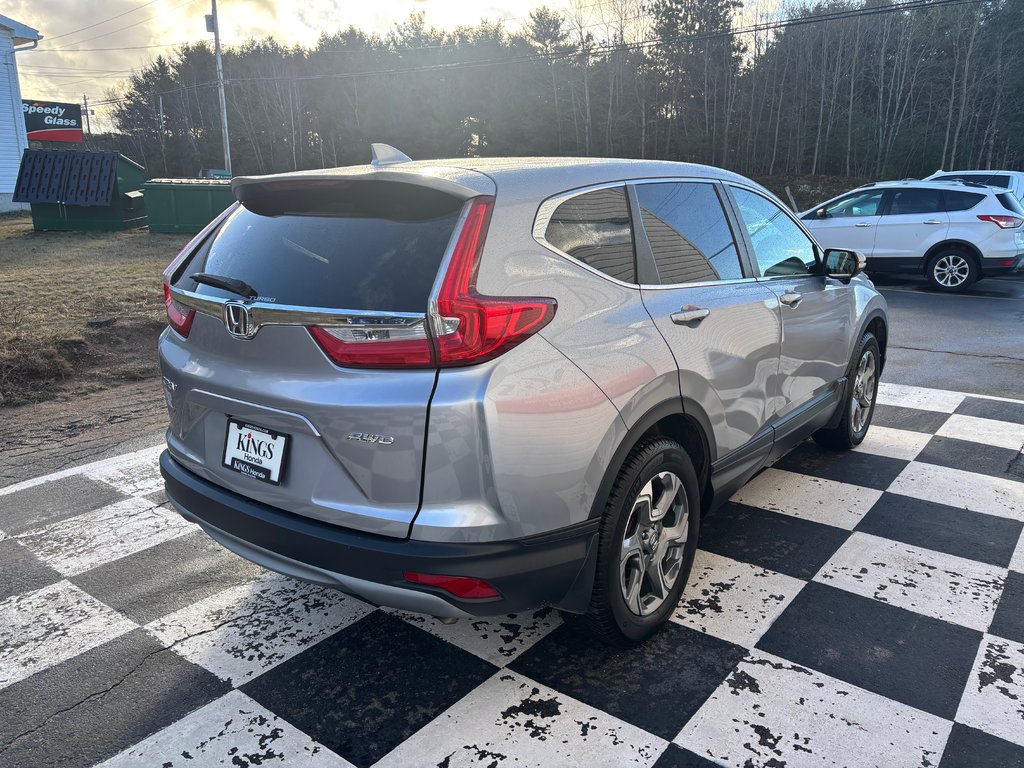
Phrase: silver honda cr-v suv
x=476 y=386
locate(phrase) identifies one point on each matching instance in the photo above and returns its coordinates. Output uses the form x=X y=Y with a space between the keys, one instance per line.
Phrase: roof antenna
x=385 y=154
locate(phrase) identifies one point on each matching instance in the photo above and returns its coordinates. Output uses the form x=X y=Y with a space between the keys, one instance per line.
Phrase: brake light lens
x=464 y=587
x=406 y=353
x=1003 y=222
x=465 y=327
x=470 y=327
x=180 y=320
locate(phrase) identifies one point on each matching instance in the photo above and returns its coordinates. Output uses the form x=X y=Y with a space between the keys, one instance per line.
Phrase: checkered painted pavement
x=850 y=609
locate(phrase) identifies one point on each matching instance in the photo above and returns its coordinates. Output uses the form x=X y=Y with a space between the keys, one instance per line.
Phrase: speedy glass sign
x=52 y=120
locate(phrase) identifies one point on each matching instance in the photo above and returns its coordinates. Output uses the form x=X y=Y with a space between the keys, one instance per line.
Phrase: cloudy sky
x=79 y=55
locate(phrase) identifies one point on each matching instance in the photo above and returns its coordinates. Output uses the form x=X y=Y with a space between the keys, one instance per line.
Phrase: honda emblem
x=237 y=321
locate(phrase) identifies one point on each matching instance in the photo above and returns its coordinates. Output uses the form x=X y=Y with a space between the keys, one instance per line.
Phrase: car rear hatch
x=299 y=365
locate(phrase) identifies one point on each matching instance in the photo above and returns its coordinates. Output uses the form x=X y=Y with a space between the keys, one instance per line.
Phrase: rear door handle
x=791 y=298
x=862 y=224
x=932 y=221
x=689 y=315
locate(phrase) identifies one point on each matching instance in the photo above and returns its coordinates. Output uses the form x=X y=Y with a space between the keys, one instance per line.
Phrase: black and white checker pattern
x=857 y=609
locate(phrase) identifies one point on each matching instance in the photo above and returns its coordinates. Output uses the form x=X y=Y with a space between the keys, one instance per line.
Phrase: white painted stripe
x=999 y=433
x=232 y=730
x=893 y=443
x=514 y=721
x=959 y=488
x=47 y=626
x=770 y=711
x=152 y=453
x=242 y=632
x=78 y=544
x=994 y=697
x=733 y=600
x=935 y=584
x=919 y=397
x=811 y=498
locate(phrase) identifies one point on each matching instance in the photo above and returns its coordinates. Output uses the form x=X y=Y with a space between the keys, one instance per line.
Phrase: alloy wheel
x=951 y=271
x=653 y=543
x=863 y=391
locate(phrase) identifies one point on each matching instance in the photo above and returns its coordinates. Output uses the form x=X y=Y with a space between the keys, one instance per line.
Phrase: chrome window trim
x=263 y=313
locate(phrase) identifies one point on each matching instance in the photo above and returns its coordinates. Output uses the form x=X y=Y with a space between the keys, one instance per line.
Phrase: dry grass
x=52 y=283
x=810 y=190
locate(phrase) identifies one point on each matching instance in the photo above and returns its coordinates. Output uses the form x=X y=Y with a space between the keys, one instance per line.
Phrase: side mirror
x=841 y=264
x=821 y=213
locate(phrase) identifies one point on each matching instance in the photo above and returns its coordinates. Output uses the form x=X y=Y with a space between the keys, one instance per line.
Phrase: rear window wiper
x=240 y=287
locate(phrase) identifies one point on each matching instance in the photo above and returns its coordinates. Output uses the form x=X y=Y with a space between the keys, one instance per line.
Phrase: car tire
x=859 y=398
x=952 y=270
x=646 y=544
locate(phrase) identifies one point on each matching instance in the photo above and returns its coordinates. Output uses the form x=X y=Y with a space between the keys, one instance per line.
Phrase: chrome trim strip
x=264 y=313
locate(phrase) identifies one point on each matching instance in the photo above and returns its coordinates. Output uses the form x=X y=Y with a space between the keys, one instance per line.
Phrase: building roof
x=20 y=33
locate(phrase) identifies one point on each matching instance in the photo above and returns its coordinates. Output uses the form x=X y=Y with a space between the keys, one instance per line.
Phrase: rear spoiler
x=457 y=182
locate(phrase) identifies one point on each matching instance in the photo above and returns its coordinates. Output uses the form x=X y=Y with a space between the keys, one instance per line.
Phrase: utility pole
x=213 y=26
x=85 y=109
x=163 y=149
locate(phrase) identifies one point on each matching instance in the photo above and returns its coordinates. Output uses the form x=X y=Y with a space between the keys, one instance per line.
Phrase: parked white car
x=953 y=232
x=1011 y=180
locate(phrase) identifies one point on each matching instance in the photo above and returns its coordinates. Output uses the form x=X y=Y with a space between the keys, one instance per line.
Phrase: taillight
x=1003 y=222
x=465 y=587
x=466 y=327
x=387 y=353
x=180 y=320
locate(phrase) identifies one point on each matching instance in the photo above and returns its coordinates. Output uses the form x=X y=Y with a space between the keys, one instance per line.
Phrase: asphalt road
x=968 y=342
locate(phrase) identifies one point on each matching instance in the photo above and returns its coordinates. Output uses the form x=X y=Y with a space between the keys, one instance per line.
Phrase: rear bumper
x=1000 y=266
x=529 y=573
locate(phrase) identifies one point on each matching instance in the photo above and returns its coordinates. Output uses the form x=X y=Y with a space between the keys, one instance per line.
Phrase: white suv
x=954 y=232
x=1011 y=180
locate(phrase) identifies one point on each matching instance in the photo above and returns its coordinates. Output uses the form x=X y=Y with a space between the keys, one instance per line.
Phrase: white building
x=13 y=34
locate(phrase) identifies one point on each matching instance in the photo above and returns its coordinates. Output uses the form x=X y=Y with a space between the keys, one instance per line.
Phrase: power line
x=118 y=48
x=121 y=29
x=98 y=23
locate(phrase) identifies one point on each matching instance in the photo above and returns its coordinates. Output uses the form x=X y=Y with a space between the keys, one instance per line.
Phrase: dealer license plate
x=255 y=451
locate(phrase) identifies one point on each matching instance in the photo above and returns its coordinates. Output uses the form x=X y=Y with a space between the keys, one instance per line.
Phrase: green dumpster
x=185 y=205
x=81 y=190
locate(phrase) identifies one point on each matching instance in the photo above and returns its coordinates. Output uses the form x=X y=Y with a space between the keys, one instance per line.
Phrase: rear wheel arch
x=686 y=423
x=951 y=245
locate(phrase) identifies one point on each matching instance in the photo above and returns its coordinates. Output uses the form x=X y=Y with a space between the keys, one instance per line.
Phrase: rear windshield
x=988 y=179
x=351 y=245
x=1011 y=203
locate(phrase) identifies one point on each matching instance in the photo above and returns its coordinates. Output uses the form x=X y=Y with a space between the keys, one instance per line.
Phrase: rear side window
x=688 y=232
x=349 y=245
x=1010 y=203
x=913 y=200
x=961 y=201
x=988 y=179
x=595 y=228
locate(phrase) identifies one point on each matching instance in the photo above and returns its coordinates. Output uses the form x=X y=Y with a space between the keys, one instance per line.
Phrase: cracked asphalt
x=969 y=342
